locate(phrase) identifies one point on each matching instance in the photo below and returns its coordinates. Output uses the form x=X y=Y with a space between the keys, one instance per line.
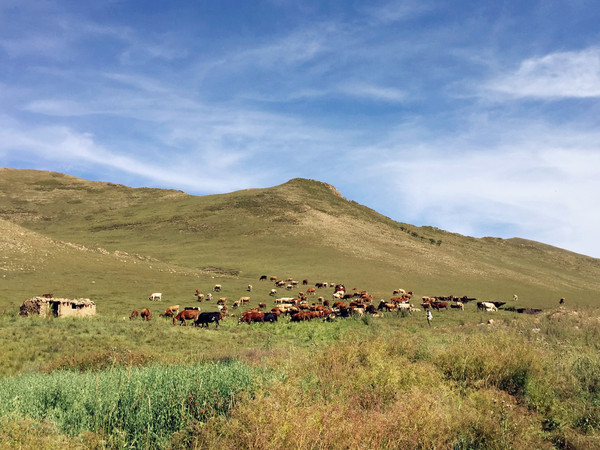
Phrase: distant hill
x=61 y=232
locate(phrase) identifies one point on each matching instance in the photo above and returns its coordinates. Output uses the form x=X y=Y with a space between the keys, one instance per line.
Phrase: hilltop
x=147 y=238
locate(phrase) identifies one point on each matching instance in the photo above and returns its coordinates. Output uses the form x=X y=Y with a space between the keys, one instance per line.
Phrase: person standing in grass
x=429 y=317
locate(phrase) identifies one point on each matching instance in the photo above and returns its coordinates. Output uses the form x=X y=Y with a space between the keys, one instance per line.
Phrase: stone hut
x=58 y=307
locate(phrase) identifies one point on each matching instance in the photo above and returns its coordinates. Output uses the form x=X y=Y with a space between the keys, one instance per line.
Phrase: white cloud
x=62 y=145
x=395 y=11
x=556 y=75
x=537 y=188
x=374 y=92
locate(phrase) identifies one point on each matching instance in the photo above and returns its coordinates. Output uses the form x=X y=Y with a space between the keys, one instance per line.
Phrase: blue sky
x=478 y=117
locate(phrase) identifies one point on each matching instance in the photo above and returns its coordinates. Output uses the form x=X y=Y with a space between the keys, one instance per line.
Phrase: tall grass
x=138 y=407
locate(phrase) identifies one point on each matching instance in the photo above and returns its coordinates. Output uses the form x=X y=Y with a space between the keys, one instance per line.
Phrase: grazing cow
x=273 y=292
x=301 y=316
x=155 y=296
x=486 y=306
x=280 y=283
x=252 y=316
x=217 y=288
x=185 y=315
x=263 y=278
x=270 y=317
x=173 y=308
x=145 y=314
x=289 y=287
x=208 y=297
x=171 y=311
x=262 y=305
x=207 y=317
x=387 y=306
x=244 y=299
x=399 y=292
x=304 y=282
x=222 y=301
x=404 y=307
x=310 y=291
x=561 y=301
x=48 y=295
x=458 y=305
x=134 y=315
x=439 y=305
x=273 y=278
x=249 y=288
x=222 y=308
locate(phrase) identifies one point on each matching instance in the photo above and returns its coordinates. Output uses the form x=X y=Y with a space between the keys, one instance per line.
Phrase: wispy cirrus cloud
x=574 y=74
x=537 y=183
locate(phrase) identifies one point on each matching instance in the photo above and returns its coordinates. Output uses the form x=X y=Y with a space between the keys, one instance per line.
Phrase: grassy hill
x=117 y=244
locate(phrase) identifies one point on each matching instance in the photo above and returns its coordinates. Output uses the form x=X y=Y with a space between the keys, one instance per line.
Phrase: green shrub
x=143 y=405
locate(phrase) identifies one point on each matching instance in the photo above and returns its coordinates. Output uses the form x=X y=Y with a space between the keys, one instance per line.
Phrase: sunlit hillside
x=61 y=233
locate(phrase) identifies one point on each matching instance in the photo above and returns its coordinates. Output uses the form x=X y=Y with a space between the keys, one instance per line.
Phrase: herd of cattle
x=342 y=303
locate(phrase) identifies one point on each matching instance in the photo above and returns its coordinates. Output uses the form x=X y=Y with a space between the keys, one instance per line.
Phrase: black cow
x=207 y=317
x=270 y=317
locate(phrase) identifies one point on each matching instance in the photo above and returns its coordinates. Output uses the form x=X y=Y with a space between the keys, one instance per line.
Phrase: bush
x=144 y=406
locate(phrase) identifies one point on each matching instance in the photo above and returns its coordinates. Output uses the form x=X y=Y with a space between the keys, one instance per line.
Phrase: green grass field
x=386 y=382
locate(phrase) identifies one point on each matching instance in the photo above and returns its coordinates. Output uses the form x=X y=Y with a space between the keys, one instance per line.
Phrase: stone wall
x=59 y=307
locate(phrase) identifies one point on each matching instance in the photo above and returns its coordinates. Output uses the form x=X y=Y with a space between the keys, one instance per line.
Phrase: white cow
x=155 y=296
x=486 y=306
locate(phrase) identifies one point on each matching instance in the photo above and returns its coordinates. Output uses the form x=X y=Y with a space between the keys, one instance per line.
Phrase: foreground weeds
x=522 y=382
x=128 y=406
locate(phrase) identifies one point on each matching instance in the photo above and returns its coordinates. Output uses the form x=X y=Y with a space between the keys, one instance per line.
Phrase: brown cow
x=145 y=314
x=439 y=305
x=171 y=311
x=252 y=316
x=134 y=315
x=301 y=316
x=185 y=315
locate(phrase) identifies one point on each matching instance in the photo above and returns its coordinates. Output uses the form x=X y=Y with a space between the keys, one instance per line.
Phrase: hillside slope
x=302 y=228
